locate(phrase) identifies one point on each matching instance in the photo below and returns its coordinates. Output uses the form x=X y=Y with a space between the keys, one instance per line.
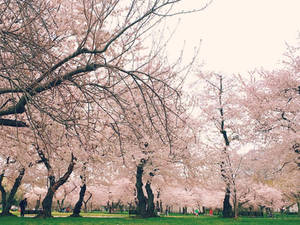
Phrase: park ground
x=120 y=219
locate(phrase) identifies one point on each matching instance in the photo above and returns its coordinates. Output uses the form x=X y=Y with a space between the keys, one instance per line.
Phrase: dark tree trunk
x=7 y=203
x=145 y=206
x=298 y=204
x=227 y=208
x=150 y=205
x=47 y=204
x=54 y=185
x=3 y=193
x=225 y=164
x=78 y=204
x=142 y=200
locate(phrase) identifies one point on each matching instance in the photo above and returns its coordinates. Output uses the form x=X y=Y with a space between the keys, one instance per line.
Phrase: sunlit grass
x=83 y=214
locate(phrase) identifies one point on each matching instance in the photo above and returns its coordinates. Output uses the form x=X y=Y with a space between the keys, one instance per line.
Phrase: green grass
x=89 y=214
x=170 y=220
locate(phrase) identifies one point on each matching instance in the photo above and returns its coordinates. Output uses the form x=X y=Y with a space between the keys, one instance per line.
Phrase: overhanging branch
x=12 y=123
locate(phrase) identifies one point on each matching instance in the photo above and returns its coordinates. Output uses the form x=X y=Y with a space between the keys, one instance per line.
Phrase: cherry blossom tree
x=60 y=59
x=51 y=154
x=34 y=194
x=7 y=200
x=157 y=163
x=65 y=191
x=273 y=102
x=263 y=196
x=16 y=158
x=223 y=131
x=283 y=176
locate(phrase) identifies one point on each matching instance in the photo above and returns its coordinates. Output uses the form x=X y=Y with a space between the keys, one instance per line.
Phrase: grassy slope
x=188 y=220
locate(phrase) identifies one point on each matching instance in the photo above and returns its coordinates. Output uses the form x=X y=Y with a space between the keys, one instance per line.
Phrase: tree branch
x=12 y=123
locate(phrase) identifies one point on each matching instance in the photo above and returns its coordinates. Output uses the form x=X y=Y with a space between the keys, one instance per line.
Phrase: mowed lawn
x=124 y=219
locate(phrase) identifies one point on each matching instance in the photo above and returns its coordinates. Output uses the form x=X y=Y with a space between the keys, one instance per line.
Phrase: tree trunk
x=235 y=205
x=47 y=204
x=236 y=209
x=227 y=208
x=85 y=207
x=261 y=208
x=3 y=193
x=145 y=206
x=78 y=205
x=7 y=203
x=60 y=204
x=54 y=185
x=142 y=200
x=298 y=204
x=150 y=205
x=38 y=203
x=86 y=202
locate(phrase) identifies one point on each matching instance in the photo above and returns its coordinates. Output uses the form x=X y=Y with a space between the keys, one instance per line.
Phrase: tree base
x=145 y=216
x=75 y=215
x=228 y=216
x=7 y=214
x=42 y=216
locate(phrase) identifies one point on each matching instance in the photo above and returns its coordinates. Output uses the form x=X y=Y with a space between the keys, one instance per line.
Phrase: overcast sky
x=239 y=35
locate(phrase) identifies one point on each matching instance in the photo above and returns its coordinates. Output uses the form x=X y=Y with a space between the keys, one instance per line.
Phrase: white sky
x=239 y=35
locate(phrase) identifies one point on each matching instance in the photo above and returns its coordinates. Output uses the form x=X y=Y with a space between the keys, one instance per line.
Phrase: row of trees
x=251 y=124
x=81 y=91
x=85 y=104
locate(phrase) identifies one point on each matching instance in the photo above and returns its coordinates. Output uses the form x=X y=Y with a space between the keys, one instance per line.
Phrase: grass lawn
x=121 y=219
